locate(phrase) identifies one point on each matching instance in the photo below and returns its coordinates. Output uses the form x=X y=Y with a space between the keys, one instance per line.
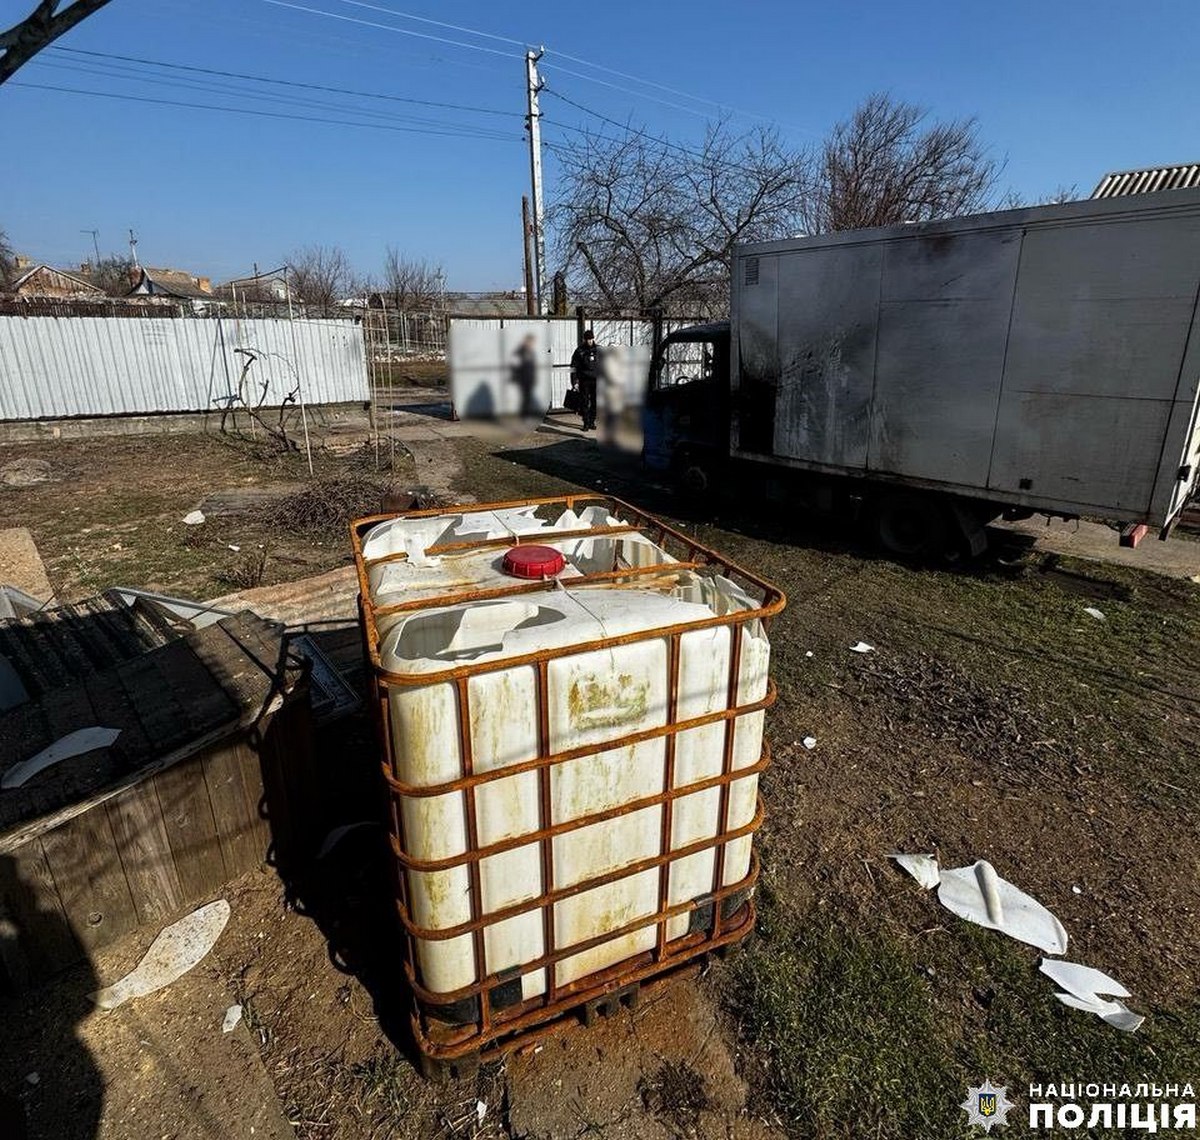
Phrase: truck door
x=686 y=409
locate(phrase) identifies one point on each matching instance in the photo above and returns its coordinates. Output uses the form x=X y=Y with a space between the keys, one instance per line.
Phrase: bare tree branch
x=115 y=274
x=39 y=29
x=646 y=224
x=321 y=276
x=8 y=261
x=883 y=166
x=410 y=284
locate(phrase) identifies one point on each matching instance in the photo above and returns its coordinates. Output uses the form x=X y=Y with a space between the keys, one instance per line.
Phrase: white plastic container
x=458 y=708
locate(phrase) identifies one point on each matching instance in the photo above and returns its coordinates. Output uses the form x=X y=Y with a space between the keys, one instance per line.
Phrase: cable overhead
x=291 y=83
x=266 y=114
x=650 y=83
x=615 y=86
x=128 y=74
x=626 y=127
x=631 y=130
x=388 y=27
x=435 y=23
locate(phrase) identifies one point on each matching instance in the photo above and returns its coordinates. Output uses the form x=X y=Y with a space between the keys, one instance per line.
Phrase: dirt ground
x=995 y=718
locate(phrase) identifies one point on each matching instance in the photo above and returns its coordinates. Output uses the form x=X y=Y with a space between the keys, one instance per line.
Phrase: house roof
x=1147 y=180
x=74 y=279
x=173 y=283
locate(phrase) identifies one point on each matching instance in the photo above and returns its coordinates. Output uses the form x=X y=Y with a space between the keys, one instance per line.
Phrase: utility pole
x=133 y=248
x=95 y=244
x=533 y=84
x=530 y=302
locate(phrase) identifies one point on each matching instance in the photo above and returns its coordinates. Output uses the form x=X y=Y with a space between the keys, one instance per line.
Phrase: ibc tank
x=572 y=758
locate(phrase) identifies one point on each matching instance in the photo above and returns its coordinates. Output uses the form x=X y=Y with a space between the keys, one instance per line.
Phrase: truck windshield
x=685 y=362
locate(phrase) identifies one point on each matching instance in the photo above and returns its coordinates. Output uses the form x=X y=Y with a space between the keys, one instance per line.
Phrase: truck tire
x=915 y=526
x=693 y=476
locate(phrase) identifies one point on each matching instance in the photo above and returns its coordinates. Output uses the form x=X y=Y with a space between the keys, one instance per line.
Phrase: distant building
x=172 y=284
x=486 y=304
x=45 y=283
x=264 y=289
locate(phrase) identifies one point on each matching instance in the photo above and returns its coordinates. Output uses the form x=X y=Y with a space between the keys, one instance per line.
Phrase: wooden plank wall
x=135 y=859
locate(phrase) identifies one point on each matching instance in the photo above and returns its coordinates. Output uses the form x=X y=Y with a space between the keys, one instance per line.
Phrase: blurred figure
x=586 y=367
x=614 y=372
x=524 y=375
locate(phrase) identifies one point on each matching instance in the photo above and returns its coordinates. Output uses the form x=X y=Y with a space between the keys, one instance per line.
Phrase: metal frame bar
x=440 y=1038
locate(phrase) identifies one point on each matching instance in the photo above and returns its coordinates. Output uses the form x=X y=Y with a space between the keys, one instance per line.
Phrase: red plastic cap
x=533 y=562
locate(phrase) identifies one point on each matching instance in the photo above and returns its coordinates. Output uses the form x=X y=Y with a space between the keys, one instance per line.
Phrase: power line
x=651 y=83
x=615 y=86
x=261 y=114
x=435 y=23
x=388 y=28
x=127 y=74
x=266 y=25
x=689 y=151
x=509 y=40
x=616 y=123
x=290 y=83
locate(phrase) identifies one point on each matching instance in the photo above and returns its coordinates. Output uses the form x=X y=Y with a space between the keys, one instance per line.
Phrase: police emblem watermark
x=987 y=1106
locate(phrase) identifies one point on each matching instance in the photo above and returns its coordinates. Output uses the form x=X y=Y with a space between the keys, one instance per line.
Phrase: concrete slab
x=158 y=1066
x=1177 y=557
x=21 y=565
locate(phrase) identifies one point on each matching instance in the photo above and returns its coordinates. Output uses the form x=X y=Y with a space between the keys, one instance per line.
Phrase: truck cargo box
x=1045 y=358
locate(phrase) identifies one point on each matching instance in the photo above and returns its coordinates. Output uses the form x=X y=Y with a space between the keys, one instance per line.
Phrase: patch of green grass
x=864 y=1030
x=1028 y=1035
x=848 y=1031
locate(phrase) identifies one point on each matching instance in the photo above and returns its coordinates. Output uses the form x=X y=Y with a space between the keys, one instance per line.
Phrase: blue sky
x=1063 y=92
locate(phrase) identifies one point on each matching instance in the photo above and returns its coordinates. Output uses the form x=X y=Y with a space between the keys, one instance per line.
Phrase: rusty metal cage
x=484 y=1017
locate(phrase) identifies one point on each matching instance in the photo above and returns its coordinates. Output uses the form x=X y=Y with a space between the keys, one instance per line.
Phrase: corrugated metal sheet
x=52 y=367
x=1148 y=181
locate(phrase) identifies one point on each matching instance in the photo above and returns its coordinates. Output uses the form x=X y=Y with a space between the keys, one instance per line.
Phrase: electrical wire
x=651 y=83
x=605 y=83
x=631 y=130
x=626 y=127
x=435 y=23
x=365 y=4
x=131 y=75
x=388 y=27
x=288 y=82
x=251 y=111
x=265 y=25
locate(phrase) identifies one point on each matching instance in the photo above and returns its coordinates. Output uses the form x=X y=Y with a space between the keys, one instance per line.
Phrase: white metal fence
x=94 y=366
x=482 y=350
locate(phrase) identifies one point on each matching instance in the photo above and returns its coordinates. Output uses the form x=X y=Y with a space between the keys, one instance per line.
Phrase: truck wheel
x=693 y=478
x=914 y=526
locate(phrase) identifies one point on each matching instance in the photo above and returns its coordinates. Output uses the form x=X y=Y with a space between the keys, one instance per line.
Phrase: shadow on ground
x=754 y=510
x=50 y=1085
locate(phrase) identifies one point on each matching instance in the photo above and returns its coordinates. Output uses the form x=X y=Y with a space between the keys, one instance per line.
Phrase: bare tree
x=645 y=224
x=1013 y=200
x=8 y=261
x=884 y=165
x=320 y=276
x=39 y=29
x=409 y=283
x=115 y=274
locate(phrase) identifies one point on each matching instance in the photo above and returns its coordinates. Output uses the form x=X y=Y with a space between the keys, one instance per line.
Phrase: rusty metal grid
x=439 y=1038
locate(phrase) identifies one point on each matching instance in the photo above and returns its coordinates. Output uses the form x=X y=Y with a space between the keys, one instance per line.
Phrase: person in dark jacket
x=586 y=366
x=524 y=375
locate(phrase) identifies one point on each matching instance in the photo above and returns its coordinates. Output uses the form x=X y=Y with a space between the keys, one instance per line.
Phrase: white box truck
x=933 y=377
